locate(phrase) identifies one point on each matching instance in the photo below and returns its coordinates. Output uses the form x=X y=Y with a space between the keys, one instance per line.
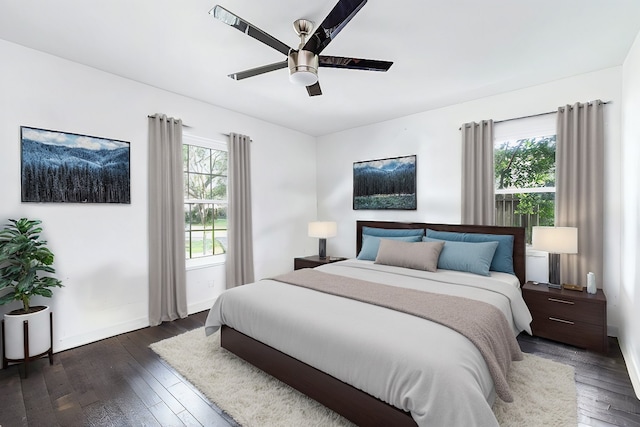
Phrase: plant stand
x=27 y=358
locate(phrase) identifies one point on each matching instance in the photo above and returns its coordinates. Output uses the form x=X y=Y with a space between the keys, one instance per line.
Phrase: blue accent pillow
x=466 y=256
x=502 y=259
x=370 y=245
x=392 y=232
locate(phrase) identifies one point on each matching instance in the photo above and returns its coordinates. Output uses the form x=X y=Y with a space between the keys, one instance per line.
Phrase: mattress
x=417 y=365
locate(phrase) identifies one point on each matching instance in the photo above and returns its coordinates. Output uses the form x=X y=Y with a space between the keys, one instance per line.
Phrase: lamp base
x=554 y=269
x=322 y=249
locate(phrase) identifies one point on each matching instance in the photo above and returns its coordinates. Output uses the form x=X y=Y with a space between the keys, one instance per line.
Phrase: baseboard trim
x=632 y=360
x=200 y=306
x=100 y=334
x=117 y=329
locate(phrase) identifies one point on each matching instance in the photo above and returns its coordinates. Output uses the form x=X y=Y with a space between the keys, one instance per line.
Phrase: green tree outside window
x=524 y=170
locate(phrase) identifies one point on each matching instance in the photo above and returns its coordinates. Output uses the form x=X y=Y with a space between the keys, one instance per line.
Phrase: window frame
x=537 y=126
x=215 y=259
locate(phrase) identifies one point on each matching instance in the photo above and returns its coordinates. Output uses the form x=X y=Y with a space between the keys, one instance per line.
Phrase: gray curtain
x=478 y=184
x=579 y=187
x=239 y=264
x=167 y=275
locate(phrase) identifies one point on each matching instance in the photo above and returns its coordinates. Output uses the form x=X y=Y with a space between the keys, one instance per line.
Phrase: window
x=205 y=197
x=524 y=169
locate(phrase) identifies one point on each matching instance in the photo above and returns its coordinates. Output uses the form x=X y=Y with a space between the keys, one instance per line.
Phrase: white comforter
x=419 y=366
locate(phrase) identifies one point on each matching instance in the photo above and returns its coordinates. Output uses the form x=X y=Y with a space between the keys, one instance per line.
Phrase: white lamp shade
x=556 y=240
x=323 y=229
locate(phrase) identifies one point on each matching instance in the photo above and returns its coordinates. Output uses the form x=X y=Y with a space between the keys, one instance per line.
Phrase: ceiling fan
x=303 y=62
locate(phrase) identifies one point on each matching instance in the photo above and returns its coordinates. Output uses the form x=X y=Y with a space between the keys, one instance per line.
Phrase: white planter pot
x=39 y=333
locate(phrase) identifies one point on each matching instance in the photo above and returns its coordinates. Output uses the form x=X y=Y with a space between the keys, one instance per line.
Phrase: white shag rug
x=544 y=391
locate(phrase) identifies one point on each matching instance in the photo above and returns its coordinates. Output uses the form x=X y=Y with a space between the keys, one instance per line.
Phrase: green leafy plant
x=23 y=256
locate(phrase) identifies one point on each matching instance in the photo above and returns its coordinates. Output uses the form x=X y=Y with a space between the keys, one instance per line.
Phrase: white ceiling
x=444 y=52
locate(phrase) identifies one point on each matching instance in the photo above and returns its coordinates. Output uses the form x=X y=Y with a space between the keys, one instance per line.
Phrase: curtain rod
x=153 y=116
x=533 y=115
x=228 y=135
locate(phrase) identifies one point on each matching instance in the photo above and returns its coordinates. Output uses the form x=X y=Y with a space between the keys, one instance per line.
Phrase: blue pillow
x=502 y=259
x=466 y=256
x=370 y=245
x=392 y=232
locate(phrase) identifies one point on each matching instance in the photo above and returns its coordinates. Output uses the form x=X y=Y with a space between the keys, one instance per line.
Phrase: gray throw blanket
x=483 y=324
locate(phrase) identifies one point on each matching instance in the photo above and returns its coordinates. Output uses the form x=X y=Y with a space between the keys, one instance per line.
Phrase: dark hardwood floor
x=114 y=382
x=121 y=382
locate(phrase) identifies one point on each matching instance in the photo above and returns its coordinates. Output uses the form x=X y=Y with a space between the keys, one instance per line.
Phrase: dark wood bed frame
x=350 y=402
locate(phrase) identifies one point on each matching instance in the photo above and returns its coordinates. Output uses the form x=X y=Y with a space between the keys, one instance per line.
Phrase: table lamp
x=556 y=241
x=323 y=230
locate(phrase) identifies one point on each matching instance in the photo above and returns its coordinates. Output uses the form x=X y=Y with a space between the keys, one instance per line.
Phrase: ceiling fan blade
x=259 y=70
x=332 y=24
x=314 y=89
x=240 y=24
x=354 y=63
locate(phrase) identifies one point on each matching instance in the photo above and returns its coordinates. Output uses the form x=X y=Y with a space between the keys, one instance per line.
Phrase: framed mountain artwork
x=385 y=184
x=62 y=167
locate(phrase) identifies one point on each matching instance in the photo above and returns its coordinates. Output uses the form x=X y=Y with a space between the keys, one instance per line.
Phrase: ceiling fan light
x=303 y=78
x=303 y=68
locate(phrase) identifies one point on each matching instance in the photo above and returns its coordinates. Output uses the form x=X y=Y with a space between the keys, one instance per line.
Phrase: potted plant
x=23 y=260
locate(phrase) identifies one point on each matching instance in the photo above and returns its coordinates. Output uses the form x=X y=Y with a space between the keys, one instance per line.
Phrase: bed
x=373 y=365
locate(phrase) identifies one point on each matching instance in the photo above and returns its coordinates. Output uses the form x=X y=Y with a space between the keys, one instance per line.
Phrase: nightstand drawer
x=575 y=333
x=565 y=307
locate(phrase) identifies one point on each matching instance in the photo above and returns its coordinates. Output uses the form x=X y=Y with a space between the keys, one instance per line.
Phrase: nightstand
x=571 y=317
x=313 y=261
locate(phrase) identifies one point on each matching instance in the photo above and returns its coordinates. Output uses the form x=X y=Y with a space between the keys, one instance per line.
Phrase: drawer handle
x=561 y=300
x=568 y=322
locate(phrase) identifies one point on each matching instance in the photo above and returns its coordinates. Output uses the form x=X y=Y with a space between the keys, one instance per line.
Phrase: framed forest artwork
x=385 y=183
x=64 y=167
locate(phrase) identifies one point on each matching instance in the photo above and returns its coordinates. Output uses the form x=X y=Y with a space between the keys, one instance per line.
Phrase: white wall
x=435 y=137
x=101 y=250
x=630 y=284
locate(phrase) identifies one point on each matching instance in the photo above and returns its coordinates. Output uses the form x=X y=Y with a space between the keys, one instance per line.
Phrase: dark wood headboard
x=519 y=261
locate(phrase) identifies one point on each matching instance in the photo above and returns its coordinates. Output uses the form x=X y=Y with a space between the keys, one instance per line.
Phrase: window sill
x=205 y=262
x=534 y=253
